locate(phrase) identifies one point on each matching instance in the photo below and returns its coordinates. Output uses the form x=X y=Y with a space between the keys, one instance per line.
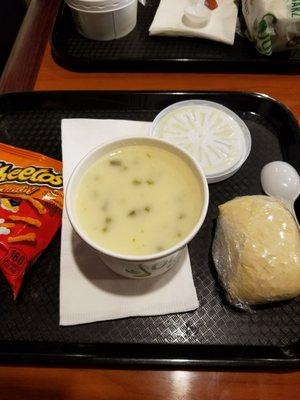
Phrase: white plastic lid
x=98 y=5
x=214 y=135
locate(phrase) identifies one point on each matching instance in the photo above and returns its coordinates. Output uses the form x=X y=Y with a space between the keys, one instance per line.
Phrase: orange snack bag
x=31 y=201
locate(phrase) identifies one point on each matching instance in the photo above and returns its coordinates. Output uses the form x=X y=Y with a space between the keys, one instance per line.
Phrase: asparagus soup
x=138 y=200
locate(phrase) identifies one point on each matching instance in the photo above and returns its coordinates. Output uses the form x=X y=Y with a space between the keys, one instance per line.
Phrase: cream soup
x=138 y=200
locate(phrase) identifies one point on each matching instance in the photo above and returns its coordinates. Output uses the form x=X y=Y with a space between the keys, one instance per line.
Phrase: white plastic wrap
x=256 y=251
x=273 y=25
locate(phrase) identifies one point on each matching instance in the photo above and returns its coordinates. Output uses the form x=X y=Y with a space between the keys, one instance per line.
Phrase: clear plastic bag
x=256 y=251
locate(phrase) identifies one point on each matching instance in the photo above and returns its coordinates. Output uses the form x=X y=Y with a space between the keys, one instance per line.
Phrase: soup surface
x=138 y=200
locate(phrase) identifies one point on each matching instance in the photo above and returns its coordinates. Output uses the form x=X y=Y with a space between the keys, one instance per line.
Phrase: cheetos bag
x=31 y=200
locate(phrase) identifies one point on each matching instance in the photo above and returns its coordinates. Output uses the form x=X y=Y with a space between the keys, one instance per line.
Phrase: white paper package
x=273 y=25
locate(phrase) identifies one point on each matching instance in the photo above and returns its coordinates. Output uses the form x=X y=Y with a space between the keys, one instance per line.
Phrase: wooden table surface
x=35 y=382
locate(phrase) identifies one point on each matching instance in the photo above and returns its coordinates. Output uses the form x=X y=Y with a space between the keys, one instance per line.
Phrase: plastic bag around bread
x=256 y=251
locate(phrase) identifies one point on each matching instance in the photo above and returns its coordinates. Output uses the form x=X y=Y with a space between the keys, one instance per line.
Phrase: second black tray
x=139 y=51
x=213 y=335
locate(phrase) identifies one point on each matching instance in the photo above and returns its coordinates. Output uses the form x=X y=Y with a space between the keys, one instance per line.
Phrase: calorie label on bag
x=14 y=262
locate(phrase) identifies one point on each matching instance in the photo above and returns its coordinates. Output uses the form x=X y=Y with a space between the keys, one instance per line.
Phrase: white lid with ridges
x=214 y=135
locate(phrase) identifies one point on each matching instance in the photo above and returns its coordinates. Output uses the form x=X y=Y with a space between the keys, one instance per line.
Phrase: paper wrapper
x=273 y=25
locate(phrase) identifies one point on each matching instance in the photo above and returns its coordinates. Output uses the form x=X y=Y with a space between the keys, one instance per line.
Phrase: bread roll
x=256 y=250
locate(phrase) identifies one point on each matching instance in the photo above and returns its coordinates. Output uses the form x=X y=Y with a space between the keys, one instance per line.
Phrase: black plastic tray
x=139 y=51
x=213 y=335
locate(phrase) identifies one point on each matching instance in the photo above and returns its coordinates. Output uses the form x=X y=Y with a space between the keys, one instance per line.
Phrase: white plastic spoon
x=279 y=179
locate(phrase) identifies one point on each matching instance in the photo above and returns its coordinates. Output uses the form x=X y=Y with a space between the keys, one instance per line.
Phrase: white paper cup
x=104 y=19
x=132 y=266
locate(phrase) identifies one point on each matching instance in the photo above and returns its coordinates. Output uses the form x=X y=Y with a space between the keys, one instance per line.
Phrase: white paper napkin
x=221 y=27
x=90 y=291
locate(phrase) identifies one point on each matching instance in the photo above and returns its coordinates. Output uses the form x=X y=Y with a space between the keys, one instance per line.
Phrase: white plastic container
x=104 y=19
x=196 y=14
x=214 y=135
